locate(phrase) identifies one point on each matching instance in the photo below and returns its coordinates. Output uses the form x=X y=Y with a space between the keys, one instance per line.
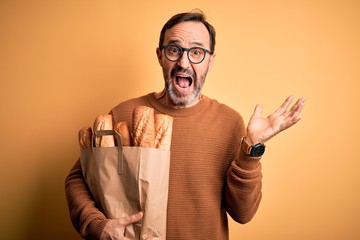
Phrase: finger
x=290 y=122
x=285 y=104
x=297 y=108
x=258 y=111
x=148 y=235
x=295 y=115
x=131 y=219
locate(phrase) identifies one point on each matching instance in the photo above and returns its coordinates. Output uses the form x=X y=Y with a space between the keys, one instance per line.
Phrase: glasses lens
x=196 y=55
x=173 y=53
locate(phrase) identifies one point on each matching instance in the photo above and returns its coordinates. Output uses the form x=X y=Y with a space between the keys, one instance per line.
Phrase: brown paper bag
x=126 y=180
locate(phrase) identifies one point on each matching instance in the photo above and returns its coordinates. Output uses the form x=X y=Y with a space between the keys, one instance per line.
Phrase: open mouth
x=183 y=82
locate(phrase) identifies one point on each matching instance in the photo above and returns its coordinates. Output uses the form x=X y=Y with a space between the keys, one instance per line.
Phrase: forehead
x=188 y=33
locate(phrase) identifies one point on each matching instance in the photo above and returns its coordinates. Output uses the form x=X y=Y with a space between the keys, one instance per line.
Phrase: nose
x=184 y=61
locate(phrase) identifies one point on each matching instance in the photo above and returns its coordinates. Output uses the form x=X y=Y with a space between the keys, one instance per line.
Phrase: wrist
x=253 y=148
x=252 y=140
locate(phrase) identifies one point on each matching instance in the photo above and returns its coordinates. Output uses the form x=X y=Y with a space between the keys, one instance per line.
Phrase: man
x=215 y=160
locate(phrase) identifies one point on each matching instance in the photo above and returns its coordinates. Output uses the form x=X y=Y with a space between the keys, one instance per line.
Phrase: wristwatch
x=256 y=150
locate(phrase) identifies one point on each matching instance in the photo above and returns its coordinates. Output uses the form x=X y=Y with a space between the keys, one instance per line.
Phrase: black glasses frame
x=185 y=50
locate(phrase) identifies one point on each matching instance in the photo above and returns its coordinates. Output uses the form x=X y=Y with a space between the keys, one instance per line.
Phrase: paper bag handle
x=98 y=133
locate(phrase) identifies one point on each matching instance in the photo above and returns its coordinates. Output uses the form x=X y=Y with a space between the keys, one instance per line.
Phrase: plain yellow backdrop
x=63 y=62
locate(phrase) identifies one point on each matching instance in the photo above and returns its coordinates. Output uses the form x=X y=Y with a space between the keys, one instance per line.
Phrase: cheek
x=201 y=71
x=167 y=67
x=205 y=68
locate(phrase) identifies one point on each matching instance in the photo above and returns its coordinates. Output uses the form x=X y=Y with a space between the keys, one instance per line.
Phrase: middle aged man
x=215 y=160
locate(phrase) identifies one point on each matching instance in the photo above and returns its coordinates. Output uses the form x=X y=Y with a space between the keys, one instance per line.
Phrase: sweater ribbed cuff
x=247 y=162
x=95 y=228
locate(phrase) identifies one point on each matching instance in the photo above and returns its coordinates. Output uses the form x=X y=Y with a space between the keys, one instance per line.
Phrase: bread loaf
x=143 y=132
x=85 y=137
x=148 y=130
x=123 y=130
x=163 y=128
x=104 y=122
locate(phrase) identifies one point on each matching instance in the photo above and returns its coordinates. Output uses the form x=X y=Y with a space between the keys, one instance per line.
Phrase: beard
x=180 y=99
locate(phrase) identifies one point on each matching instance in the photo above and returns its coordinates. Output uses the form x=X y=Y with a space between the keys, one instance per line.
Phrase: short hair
x=189 y=16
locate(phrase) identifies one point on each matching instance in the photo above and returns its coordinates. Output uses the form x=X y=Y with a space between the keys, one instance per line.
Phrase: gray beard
x=175 y=97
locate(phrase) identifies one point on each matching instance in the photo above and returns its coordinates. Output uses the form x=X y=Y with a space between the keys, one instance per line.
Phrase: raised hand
x=260 y=129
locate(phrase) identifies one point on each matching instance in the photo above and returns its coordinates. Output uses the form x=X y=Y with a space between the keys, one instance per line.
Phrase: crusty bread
x=123 y=130
x=85 y=137
x=148 y=130
x=143 y=132
x=163 y=128
x=104 y=122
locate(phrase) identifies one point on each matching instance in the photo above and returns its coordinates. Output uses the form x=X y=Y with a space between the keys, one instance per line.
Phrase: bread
x=143 y=131
x=163 y=128
x=148 y=130
x=123 y=130
x=85 y=137
x=104 y=122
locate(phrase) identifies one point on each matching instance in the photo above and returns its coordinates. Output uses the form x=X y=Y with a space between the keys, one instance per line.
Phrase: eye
x=174 y=49
x=196 y=52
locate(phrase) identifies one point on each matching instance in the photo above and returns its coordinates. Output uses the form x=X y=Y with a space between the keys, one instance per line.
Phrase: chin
x=183 y=101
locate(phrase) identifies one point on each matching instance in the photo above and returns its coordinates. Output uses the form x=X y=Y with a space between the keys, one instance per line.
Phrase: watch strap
x=256 y=150
x=245 y=146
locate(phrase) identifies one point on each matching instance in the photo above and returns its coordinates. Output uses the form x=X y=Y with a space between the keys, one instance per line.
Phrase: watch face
x=257 y=150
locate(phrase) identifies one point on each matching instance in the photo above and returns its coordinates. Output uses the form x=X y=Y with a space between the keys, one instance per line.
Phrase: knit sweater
x=209 y=173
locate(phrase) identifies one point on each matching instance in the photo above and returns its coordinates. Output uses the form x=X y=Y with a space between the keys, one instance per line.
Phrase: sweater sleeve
x=243 y=189
x=87 y=219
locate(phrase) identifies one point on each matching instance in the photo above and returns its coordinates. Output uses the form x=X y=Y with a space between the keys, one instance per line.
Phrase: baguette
x=123 y=130
x=163 y=128
x=143 y=132
x=85 y=137
x=104 y=122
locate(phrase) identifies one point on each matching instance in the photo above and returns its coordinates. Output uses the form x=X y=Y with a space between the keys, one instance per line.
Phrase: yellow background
x=64 y=62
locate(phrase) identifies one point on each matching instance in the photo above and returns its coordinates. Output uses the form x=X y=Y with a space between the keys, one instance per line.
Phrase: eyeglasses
x=195 y=54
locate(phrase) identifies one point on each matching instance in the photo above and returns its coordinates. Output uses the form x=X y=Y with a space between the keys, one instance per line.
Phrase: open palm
x=260 y=129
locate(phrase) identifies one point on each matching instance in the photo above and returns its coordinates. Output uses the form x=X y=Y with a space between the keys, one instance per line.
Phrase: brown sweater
x=209 y=174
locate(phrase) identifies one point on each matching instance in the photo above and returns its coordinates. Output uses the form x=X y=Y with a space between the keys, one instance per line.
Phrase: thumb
x=258 y=111
x=131 y=219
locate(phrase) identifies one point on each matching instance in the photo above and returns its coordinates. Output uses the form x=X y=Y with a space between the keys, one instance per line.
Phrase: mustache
x=178 y=69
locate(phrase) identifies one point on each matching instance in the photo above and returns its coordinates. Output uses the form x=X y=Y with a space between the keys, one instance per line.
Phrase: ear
x=159 y=56
x=211 y=61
